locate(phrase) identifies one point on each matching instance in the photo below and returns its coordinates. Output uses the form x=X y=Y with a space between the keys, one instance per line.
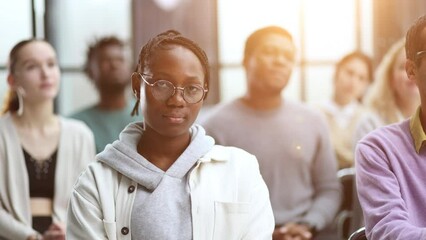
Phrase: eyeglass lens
x=163 y=90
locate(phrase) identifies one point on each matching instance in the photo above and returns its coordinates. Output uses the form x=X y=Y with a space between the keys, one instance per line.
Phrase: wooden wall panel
x=196 y=19
x=391 y=19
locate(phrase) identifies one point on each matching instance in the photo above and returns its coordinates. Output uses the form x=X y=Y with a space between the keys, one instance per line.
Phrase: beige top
x=342 y=135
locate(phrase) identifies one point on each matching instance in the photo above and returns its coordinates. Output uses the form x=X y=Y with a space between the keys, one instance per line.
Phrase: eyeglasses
x=163 y=90
x=420 y=54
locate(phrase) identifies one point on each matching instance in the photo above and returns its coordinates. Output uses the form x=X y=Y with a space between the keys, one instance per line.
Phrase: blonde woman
x=392 y=97
x=41 y=153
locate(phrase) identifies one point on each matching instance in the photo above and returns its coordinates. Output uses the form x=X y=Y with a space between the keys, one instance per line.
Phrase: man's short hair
x=414 y=41
x=95 y=47
x=258 y=36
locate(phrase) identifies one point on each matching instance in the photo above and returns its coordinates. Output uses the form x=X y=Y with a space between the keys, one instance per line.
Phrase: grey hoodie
x=162 y=207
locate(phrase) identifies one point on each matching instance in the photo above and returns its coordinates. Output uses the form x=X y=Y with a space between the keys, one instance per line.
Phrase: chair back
x=346 y=177
x=358 y=235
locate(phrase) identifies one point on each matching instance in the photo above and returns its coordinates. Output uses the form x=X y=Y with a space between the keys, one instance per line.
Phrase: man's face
x=269 y=66
x=110 y=68
x=417 y=71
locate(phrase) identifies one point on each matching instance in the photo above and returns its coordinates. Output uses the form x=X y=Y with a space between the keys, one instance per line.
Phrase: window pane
x=319 y=83
x=15 y=25
x=79 y=24
x=232 y=83
x=239 y=18
x=329 y=31
x=81 y=21
x=328 y=34
x=367 y=27
x=77 y=92
x=293 y=89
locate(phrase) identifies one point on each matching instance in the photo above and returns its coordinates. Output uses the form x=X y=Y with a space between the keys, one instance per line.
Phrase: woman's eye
x=52 y=64
x=193 y=88
x=30 y=67
x=162 y=84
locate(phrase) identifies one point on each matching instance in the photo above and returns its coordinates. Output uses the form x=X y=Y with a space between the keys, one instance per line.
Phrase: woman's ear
x=11 y=81
x=410 y=68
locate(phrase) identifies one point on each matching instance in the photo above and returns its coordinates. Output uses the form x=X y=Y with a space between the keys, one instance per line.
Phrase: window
x=79 y=24
x=323 y=32
x=17 y=27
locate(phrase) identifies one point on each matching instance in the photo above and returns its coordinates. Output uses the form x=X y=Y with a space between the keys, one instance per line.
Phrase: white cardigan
x=76 y=149
x=229 y=200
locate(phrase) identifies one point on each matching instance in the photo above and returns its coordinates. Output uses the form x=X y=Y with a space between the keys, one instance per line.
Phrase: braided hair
x=163 y=41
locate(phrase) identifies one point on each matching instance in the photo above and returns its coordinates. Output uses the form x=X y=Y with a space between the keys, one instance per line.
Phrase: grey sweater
x=295 y=156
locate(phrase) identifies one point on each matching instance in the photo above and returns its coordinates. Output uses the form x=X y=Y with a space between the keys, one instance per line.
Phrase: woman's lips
x=46 y=85
x=174 y=118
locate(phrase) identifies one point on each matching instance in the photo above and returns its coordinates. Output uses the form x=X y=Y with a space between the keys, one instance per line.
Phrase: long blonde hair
x=381 y=98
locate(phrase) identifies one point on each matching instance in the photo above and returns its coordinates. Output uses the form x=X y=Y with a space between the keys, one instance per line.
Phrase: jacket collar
x=417 y=131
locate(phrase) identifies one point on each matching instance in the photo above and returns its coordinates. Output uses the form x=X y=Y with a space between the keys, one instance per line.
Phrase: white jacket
x=229 y=200
x=76 y=149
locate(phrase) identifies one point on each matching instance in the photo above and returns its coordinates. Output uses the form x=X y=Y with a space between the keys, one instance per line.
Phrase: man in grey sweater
x=290 y=140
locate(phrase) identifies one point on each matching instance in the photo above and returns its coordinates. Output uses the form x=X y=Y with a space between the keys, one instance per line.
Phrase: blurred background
x=324 y=30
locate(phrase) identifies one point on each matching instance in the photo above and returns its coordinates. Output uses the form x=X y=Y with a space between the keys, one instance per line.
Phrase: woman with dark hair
x=165 y=178
x=41 y=153
x=353 y=74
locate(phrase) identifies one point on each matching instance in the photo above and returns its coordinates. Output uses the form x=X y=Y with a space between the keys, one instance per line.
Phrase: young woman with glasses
x=165 y=178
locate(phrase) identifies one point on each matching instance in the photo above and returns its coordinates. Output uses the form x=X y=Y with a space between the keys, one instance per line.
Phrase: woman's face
x=36 y=72
x=180 y=66
x=402 y=86
x=352 y=79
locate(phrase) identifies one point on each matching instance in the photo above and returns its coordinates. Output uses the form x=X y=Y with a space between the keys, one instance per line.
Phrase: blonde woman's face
x=37 y=71
x=402 y=86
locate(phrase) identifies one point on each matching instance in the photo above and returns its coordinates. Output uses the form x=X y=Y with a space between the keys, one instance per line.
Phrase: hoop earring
x=19 y=94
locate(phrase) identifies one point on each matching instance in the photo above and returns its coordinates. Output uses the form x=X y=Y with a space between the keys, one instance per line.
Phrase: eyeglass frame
x=174 y=88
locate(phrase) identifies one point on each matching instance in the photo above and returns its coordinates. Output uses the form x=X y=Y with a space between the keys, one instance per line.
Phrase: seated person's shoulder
x=4 y=120
x=369 y=115
x=311 y=115
x=232 y=155
x=84 y=113
x=218 y=111
x=396 y=134
x=95 y=174
x=303 y=107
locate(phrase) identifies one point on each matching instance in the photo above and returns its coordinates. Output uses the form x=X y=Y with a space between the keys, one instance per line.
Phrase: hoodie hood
x=122 y=156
